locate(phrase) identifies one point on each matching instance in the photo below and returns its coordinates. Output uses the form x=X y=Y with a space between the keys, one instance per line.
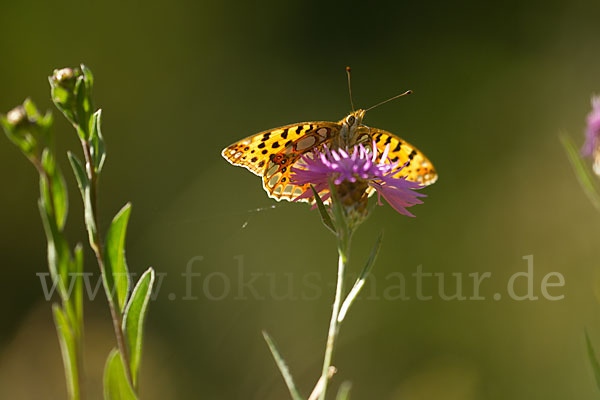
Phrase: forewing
x=417 y=167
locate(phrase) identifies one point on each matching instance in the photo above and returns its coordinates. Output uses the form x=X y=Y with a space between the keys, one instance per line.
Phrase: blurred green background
x=495 y=84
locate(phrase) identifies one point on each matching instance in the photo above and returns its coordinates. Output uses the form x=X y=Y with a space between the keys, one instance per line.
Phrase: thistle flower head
x=353 y=172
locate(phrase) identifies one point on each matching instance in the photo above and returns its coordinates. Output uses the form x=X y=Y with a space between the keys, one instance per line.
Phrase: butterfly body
x=271 y=154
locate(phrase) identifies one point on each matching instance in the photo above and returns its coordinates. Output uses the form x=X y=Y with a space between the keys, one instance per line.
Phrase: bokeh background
x=495 y=84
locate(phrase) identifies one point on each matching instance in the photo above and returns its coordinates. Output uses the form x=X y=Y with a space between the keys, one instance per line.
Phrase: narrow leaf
x=325 y=217
x=87 y=73
x=338 y=211
x=582 y=171
x=360 y=282
x=68 y=349
x=116 y=272
x=83 y=106
x=97 y=147
x=287 y=376
x=80 y=175
x=31 y=110
x=84 y=187
x=340 y=220
x=344 y=391
x=133 y=321
x=57 y=189
x=77 y=296
x=593 y=359
x=115 y=268
x=116 y=385
x=58 y=251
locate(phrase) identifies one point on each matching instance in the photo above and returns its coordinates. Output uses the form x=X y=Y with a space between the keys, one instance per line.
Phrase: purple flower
x=592 y=132
x=357 y=167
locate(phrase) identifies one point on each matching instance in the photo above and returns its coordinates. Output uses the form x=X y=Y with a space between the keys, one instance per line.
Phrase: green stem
x=343 y=252
x=97 y=247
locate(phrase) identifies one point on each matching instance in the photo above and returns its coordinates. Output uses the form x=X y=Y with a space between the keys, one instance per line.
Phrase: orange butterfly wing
x=417 y=167
x=270 y=154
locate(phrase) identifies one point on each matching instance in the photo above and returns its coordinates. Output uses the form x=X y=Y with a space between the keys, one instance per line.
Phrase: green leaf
x=57 y=189
x=593 y=359
x=336 y=207
x=40 y=125
x=116 y=274
x=325 y=217
x=82 y=108
x=59 y=257
x=83 y=96
x=287 y=376
x=582 y=171
x=116 y=385
x=82 y=180
x=97 y=148
x=61 y=99
x=31 y=110
x=344 y=391
x=87 y=73
x=68 y=350
x=77 y=296
x=360 y=282
x=133 y=321
x=84 y=187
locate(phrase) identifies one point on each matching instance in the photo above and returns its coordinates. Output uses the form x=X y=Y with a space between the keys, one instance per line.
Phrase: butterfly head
x=354 y=119
x=349 y=129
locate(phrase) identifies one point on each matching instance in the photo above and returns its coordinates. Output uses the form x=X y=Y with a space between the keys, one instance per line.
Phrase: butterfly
x=271 y=154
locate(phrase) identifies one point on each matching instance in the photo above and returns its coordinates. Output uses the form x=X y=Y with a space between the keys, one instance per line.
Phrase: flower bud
x=65 y=77
x=16 y=116
x=26 y=128
x=71 y=90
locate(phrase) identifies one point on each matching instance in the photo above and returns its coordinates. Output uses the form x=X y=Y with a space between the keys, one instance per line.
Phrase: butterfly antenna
x=390 y=99
x=350 y=88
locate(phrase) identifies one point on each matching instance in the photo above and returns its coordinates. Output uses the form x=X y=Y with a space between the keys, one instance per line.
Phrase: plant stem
x=97 y=247
x=343 y=252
